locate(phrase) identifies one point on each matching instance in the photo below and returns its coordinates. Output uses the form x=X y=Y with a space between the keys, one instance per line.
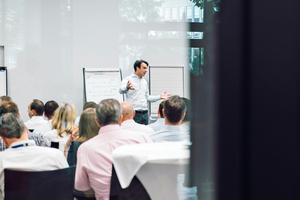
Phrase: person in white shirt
x=22 y=153
x=62 y=125
x=35 y=112
x=128 y=123
x=174 y=112
x=156 y=126
x=37 y=135
x=136 y=89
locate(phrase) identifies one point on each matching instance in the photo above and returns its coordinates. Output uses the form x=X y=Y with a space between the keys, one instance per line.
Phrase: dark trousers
x=141 y=118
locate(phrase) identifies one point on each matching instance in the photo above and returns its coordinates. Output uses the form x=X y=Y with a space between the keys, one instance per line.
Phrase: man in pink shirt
x=94 y=159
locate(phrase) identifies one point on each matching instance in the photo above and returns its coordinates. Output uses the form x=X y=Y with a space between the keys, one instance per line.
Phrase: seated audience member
x=89 y=104
x=7 y=107
x=128 y=123
x=174 y=112
x=5 y=98
x=156 y=126
x=88 y=128
x=37 y=135
x=185 y=124
x=94 y=159
x=35 y=112
x=62 y=125
x=22 y=153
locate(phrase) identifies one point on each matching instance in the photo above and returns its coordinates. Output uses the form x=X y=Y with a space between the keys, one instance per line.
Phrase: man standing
x=136 y=89
x=22 y=153
x=174 y=112
x=35 y=112
x=94 y=159
x=129 y=124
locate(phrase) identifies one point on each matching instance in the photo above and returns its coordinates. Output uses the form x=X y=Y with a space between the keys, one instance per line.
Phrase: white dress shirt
x=34 y=122
x=140 y=95
x=52 y=136
x=38 y=134
x=170 y=133
x=29 y=158
x=156 y=126
x=131 y=125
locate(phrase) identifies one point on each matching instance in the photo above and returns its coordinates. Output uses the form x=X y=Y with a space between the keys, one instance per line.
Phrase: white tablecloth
x=130 y=158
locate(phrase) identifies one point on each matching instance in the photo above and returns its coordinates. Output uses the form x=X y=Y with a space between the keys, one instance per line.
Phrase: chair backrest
x=135 y=191
x=37 y=185
x=54 y=145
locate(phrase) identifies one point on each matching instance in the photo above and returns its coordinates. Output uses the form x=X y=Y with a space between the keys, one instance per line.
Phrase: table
x=157 y=165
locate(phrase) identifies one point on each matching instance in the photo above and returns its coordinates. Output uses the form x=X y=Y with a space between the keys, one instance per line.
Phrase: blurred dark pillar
x=248 y=105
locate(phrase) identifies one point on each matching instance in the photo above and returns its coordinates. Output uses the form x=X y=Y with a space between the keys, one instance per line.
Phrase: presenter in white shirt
x=135 y=88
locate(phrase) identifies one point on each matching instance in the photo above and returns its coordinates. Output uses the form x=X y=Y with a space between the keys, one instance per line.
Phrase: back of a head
x=127 y=110
x=38 y=106
x=88 y=128
x=12 y=126
x=188 y=109
x=174 y=109
x=49 y=108
x=160 y=108
x=64 y=118
x=5 y=98
x=89 y=104
x=9 y=107
x=108 y=111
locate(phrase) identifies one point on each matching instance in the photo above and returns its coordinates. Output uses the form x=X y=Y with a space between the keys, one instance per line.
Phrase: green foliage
x=198 y=3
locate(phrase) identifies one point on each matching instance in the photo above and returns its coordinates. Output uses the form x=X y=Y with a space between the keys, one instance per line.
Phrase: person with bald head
x=128 y=123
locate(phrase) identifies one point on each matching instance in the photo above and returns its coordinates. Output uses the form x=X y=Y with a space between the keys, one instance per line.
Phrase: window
x=167 y=14
x=174 y=14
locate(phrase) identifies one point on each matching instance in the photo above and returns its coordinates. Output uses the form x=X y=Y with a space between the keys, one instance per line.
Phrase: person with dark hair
x=35 y=112
x=135 y=88
x=22 y=153
x=7 y=107
x=88 y=104
x=37 y=135
x=161 y=120
x=94 y=157
x=185 y=124
x=174 y=112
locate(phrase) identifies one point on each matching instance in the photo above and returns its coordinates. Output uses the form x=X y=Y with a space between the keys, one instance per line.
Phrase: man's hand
x=165 y=96
x=129 y=86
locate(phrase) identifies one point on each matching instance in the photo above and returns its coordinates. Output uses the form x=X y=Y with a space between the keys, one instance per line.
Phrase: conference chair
x=39 y=185
x=135 y=191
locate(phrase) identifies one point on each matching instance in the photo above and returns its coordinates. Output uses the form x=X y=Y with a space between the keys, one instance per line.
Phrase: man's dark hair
x=174 y=109
x=89 y=104
x=12 y=126
x=5 y=98
x=9 y=107
x=38 y=106
x=50 y=107
x=108 y=111
x=161 y=107
x=138 y=64
x=188 y=109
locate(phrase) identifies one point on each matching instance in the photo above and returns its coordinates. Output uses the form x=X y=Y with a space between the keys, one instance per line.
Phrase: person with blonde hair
x=88 y=128
x=62 y=125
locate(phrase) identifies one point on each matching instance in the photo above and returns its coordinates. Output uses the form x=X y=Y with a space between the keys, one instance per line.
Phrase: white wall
x=48 y=42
